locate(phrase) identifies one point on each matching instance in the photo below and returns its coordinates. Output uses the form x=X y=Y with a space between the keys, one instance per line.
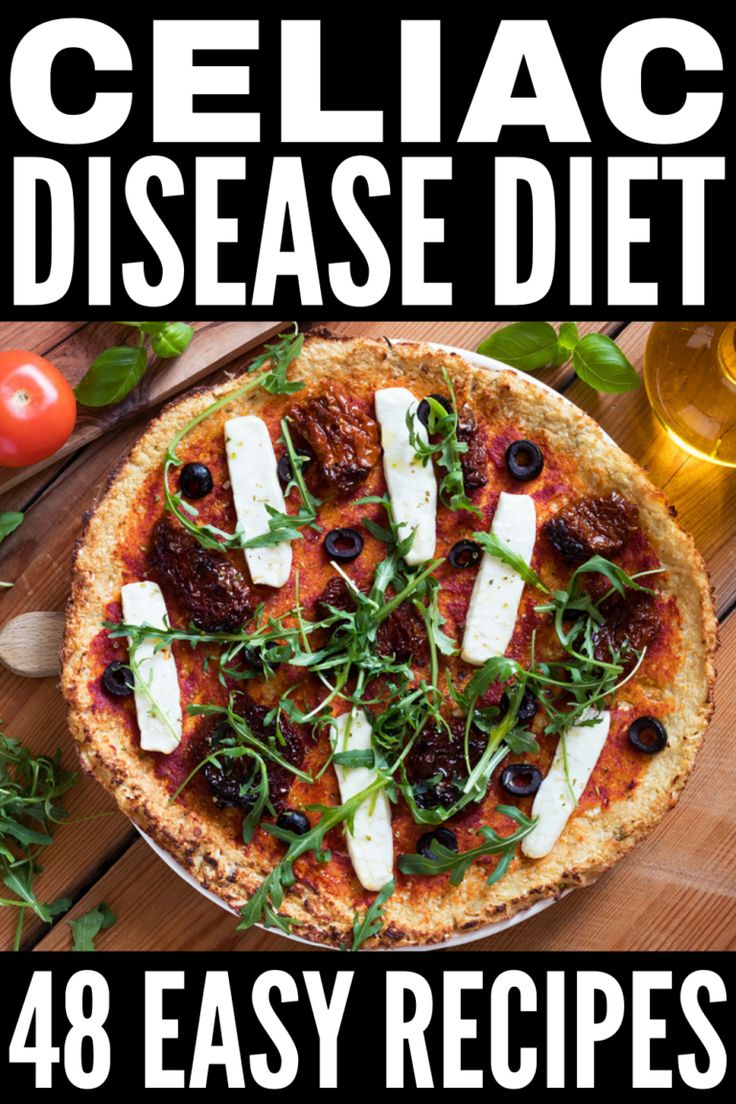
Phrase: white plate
x=457 y=940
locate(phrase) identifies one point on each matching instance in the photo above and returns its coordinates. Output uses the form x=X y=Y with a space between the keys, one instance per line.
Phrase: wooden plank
x=704 y=494
x=36 y=337
x=677 y=890
x=214 y=344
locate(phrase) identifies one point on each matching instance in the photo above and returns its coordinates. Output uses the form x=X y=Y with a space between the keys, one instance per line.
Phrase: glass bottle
x=690 y=377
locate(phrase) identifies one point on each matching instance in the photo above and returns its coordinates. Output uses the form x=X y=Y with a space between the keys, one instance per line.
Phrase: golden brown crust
x=589 y=845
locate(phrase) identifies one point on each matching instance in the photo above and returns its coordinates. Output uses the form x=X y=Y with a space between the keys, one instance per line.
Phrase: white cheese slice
x=497 y=591
x=157 y=696
x=412 y=486
x=255 y=484
x=371 y=845
x=581 y=746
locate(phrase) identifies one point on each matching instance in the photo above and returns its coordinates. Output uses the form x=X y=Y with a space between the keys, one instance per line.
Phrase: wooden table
x=676 y=891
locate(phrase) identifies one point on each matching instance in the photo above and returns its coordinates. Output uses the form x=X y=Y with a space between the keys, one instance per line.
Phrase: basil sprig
x=530 y=346
x=118 y=370
x=9 y=521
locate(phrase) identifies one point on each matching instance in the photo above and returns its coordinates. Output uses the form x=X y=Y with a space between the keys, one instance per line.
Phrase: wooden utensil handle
x=30 y=643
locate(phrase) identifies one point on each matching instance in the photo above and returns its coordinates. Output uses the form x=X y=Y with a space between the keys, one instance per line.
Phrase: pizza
x=384 y=647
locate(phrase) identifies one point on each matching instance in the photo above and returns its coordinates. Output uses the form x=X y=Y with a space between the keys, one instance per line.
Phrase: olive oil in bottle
x=690 y=377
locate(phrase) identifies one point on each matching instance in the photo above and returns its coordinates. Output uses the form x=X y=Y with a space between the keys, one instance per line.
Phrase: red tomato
x=37 y=408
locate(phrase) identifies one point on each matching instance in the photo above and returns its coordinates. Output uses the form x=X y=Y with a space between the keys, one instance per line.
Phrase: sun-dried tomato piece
x=436 y=764
x=474 y=461
x=205 y=582
x=229 y=781
x=403 y=636
x=340 y=434
x=632 y=621
x=593 y=527
x=337 y=594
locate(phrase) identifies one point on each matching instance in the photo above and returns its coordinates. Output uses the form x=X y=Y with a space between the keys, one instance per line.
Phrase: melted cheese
x=412 y=485
x=580 y=746
x=371 y=845
x=255 y=483
x=157 y=697
x=494 y=603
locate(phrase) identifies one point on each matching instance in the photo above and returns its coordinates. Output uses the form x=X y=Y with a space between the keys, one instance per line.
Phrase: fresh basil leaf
x=569 y=335
x=149 y=327
x=8 y=522
x=172 y=340
x=86 y=929
x=528 y=346
x=112 y=376
x=600 y=363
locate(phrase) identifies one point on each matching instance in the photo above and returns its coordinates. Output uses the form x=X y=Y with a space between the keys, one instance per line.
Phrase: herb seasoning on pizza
x=384 y=647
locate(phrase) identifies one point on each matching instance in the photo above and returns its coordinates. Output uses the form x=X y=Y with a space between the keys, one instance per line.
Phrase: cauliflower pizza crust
x=628 y=791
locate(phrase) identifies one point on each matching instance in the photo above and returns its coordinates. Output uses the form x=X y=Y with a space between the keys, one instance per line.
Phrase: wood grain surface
x=73 y=350
x=677 y=890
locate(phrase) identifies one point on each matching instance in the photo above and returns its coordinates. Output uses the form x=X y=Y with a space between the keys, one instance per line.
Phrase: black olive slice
x=343 y=544
x=527 y=706
x=292 y=820
x=647 y=734
x=195 y=480
x=254 y=659
x=524 y=460
x=521 y=779
x=442 y=835
x=466 y=553
x=284 y=469
x=424 y=408
x=118 y=679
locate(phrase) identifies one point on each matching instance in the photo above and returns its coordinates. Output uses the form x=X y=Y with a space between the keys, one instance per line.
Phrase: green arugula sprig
x=443 y=443
x=116 y=371
x=246 y=735
x=371 y=922
x=30 y=788
x=254 y=786
x=9 y=522
x=530 y=346
x=457 y=863
x=282 y=527
x=263 y=906
x=87 y=927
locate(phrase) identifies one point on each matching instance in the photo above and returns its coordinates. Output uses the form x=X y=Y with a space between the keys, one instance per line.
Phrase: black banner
x=474 y=166
x=367 y=1022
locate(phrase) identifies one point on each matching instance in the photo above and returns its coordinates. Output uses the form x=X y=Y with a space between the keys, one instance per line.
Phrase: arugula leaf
x=88 y=927
x=372 y=920
x=363 y=757
x=263 y=906
x=527 y=346
x=530 y=346
x=9 y=521
x=30 y=787
x=457 y=863
x=490 y=543
x=443 y=443
x=280 y=355
x=600 y=363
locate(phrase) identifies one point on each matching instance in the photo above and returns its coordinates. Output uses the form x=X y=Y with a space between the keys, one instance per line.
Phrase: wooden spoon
x=30 y=643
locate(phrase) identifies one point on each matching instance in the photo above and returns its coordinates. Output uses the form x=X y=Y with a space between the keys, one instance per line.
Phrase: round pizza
x=384 y=647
